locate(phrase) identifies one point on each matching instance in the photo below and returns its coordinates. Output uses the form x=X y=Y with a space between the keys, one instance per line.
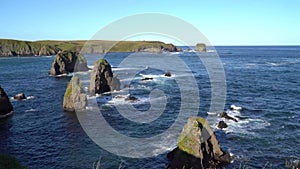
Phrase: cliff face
x=45 y=48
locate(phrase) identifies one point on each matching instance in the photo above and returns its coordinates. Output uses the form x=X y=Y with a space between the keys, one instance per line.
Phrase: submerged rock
x=20 y=96
x=5 y=104
x=75 y=97
x=67 y=62
x=102 y=78
x=198 y=147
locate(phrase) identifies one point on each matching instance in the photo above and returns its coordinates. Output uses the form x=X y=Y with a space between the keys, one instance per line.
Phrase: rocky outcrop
x=5 y=104
x=226 y=116
x=75 y=97
x=20 y=96
x=67 y=62
x=198 y=147
x=168 y=74
x=200 y=47
x=102 y=78
x=222 y=124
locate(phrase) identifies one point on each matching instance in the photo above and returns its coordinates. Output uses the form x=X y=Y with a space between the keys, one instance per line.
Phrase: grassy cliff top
x=9 y=47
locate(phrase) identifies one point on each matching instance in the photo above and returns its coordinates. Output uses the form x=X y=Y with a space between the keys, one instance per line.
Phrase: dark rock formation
x=198 y=147
x=147 y=78
x=19 y=96
x=5 y=105
x=168 y=74
x=200 y=47
x=67 y=62
x=226 y=116
x=102 y=78
x=222 y=125
x=75 y=97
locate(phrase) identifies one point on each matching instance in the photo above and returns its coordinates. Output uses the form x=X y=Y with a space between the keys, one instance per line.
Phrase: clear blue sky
x=223 y=22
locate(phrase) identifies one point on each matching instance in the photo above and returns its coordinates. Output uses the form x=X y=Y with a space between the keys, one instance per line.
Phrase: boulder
x=200 y=47
x=226 y=116
x=198 y=147
x=20 y=96
x=168 y=74
x=75 y=97
x=67 y=62
x=102 y=78
x=5 y=104
x=222 y=124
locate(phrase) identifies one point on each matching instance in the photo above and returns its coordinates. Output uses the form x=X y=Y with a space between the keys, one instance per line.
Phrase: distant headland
x=9 y=47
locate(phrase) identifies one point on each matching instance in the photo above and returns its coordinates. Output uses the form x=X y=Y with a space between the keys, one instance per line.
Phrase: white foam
x=61 y=75
x=122 y=68
x=31 y=110
x=30 y=97
x=212 y=113
x=234 y=107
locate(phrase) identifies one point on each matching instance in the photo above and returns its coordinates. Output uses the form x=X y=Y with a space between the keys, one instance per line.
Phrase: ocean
x=263 y=80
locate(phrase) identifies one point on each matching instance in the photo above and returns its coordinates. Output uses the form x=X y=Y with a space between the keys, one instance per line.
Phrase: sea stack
x=102 y=78
x=67 y=62
x=6 y=107
x=198 y=147
x=75 y=97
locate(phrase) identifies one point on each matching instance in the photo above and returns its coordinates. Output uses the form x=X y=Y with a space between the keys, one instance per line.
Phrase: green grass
x=9 y=162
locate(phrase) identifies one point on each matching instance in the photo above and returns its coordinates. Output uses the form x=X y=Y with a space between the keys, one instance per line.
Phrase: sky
x=223 y=22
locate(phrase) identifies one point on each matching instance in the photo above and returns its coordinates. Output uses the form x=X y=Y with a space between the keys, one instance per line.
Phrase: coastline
x=20 y=48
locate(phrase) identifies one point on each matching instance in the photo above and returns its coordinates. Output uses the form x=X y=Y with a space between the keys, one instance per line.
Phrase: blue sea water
x=264 y=81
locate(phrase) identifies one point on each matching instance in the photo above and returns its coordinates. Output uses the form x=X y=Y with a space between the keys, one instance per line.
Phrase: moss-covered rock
x=102 y=78
x=198 y=147
x=67 y=62
x=75 y=97
x=200 y=47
